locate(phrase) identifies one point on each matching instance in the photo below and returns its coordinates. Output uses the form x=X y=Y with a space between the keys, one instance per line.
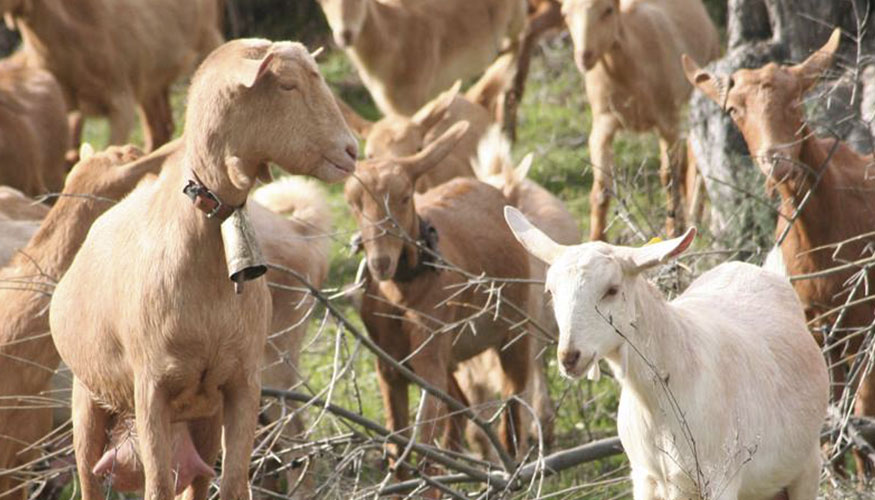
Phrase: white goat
x=724 y=391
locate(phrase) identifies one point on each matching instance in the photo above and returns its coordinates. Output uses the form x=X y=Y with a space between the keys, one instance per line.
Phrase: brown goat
x=832 y=187
x=629 y=54
x=114 y=56
x=27 y=356
x=477 y=377
x=406 y=52
x=33 y=130
x=465 y=215
x=176 y=344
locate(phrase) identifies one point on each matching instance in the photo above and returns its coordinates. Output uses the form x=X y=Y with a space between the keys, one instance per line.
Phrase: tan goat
x=480 y=377
x=114 y=56
x=27 y=355
x=407 y=51
x=33 y=130
x=397 y=135
x=176 y=344
x=460 y=221
x=299 y=243
x=832 y=187
x=628 y=51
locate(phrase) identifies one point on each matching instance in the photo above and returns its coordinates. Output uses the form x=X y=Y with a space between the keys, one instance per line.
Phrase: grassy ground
x=554 y=122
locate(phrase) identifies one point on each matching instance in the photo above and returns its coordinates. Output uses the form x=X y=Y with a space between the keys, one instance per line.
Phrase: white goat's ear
x=703 y=80
x=809 y=70
x=252 y=70
x=434 y=152
x=428 y=115
x=522 y=170
x=657 y=253
x=532 y=239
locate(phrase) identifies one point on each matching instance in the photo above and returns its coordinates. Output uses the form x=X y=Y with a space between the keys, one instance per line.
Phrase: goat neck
x=657 y=342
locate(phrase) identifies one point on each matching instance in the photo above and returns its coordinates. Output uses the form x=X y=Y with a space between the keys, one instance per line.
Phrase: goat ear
x=359 y=124
x=531 y=238
x=522 y=170
x=657 y=253
x=701 y=79
x=253 y=70
x=435 y=152
x=809 y=70
x=428 y=115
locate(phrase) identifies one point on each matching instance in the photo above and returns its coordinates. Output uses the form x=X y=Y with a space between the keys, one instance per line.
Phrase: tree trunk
x=783 y=31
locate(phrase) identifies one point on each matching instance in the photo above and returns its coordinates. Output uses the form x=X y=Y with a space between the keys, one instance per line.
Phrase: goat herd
x=158 y=304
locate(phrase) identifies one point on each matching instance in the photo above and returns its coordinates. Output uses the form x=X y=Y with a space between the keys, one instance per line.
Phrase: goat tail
x=300 y=199
x=493 y=156
x=494 y=83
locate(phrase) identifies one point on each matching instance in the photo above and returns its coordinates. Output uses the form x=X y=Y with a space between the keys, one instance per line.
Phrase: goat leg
x=90 y=422
x=240 y=417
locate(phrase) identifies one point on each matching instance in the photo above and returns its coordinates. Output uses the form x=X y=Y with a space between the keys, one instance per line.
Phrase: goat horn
x=316 y=52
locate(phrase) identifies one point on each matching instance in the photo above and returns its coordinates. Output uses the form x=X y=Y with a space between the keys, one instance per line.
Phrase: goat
x=827 y=194
x=406 y=51
x=628 y=52
x=723 y=391
x=299 y=243
x=405 y=306
x=33 y=130
x=397 y=135
x=114 y=56
x=189 y=344
x=495 y=167
x=27 y=355
x=15 y=205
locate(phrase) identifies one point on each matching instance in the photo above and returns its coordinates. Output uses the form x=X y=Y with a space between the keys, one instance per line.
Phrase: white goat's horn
x=316 y=52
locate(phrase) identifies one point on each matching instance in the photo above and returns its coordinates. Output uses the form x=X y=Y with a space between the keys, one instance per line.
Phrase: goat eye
x=405 y=200
x=288 y=86
x=608 y=12
x=612 y=291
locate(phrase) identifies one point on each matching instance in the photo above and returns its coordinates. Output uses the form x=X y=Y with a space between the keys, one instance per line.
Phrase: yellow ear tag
x=653 y=241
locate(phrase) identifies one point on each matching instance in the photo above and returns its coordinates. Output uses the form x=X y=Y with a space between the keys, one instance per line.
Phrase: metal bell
x=242 y=251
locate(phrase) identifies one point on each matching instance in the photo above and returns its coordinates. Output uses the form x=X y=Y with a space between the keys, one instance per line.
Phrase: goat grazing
x=33 y=130
x=114 y=56
x=406 y=52
x=406 y=308
x=827 y=195
x=628 y=51
x=163 y=333
x=723 y=390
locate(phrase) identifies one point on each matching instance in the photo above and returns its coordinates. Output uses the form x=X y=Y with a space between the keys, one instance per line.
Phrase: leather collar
x=426 y=254
x=207 y=201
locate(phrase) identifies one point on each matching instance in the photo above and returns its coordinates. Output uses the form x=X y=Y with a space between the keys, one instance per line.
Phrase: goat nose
x=569 y=358
x=352 y=150
x=381 y=264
